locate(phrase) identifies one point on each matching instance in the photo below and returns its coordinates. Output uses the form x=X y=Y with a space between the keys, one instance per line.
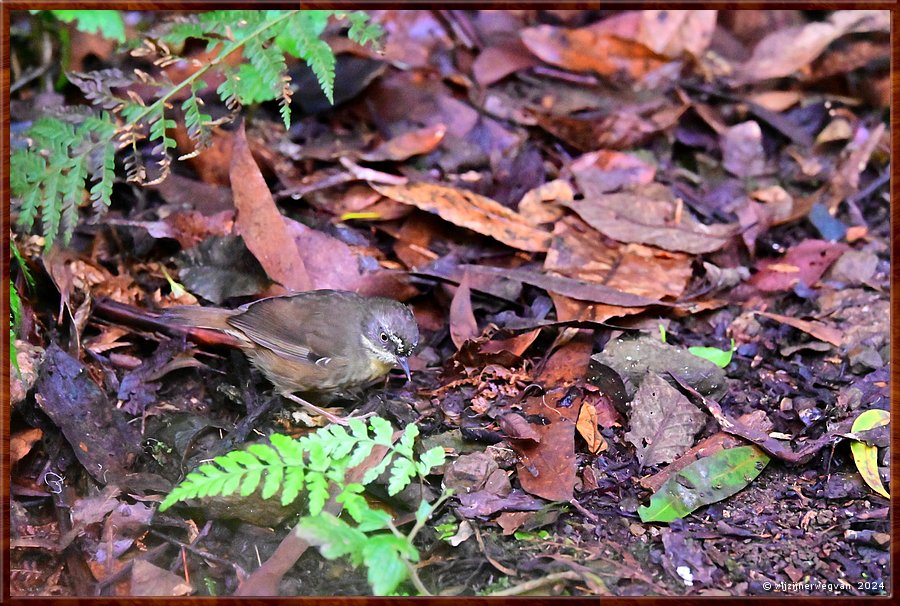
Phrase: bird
x=315 y=342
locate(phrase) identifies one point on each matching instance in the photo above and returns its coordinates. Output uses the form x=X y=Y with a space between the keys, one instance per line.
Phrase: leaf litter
x=543 y=207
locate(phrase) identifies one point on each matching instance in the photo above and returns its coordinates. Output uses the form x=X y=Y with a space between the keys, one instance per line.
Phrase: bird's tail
x=215 y=318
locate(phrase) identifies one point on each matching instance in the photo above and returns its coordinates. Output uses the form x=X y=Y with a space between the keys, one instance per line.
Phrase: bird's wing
x=298 y=327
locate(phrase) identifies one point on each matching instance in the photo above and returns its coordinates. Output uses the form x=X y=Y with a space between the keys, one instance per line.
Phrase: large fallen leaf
x=150 y=580
x=577 y=252
x=866 y=456
x=586 y=49
x=804 y=263
x=651 y=215
x=260 y=222
x=663 y=422
x=706 y=481
x=577 y=289
x=472 y=211
x=783 y=52
x=589 y=428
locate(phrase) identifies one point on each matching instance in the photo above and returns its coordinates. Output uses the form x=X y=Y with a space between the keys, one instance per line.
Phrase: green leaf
x=108 y=23
x=384 y=556
x=719 y=357
x=706 y=481
x=866 y=456
x=334 y=537
x=430 y=459
x=382 y=431
x=401 y=473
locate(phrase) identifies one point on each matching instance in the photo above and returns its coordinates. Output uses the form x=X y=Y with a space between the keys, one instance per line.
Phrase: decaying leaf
x=462 y=321
x=804 y=263
x=663 y=422
x=706 y=481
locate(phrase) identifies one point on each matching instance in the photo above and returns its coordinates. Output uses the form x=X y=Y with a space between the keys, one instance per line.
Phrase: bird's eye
x=384 y=337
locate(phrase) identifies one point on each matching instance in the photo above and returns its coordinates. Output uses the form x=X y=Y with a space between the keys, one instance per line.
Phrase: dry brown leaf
x=497 y=62
x=742 y=150
x=815 y=328
x=674 y=32
x=470 y=210
x=261 y=224
x=462 y=320
x=21 y=443
x=589 y=429
x=783 y=52
x=605 y=171
x=540 y=205
x=649 y=215
x=663 y=422
x=805 y=262
x=407 y=145
x=586 y=49
x=578 y=252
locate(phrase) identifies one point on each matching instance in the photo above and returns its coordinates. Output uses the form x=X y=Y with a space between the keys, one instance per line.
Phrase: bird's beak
x=404 y=364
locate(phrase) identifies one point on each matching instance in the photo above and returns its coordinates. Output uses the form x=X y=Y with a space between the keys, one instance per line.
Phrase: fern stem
x=233 y=46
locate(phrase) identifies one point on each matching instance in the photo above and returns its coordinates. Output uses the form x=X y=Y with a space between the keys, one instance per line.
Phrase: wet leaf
x=472 y=211
x=703 y=482
x=865 y=456
x=150 y=580
x=663 y=422
x=221 y=268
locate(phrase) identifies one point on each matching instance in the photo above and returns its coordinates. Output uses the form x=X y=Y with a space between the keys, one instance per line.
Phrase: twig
x=854 y=200
x=200 y=552
x=529 y=586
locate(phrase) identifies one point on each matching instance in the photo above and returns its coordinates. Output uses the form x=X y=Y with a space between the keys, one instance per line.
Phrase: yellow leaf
x=865 y=456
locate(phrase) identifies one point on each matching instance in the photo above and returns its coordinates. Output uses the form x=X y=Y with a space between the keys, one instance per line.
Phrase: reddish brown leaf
x=650 y=272
x=514 y=345
x=469 y=210
x=586 y=49
x=21 y=442
x=589 y=429
x=407 y=145
x=817 y=329
x=497 y=62
x=260 y=222
x=517 y=427
x=462 y=320
x=547 y=468
x=805 y=262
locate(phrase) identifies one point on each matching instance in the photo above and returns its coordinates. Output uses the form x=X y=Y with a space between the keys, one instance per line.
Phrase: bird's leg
x=344 y=421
